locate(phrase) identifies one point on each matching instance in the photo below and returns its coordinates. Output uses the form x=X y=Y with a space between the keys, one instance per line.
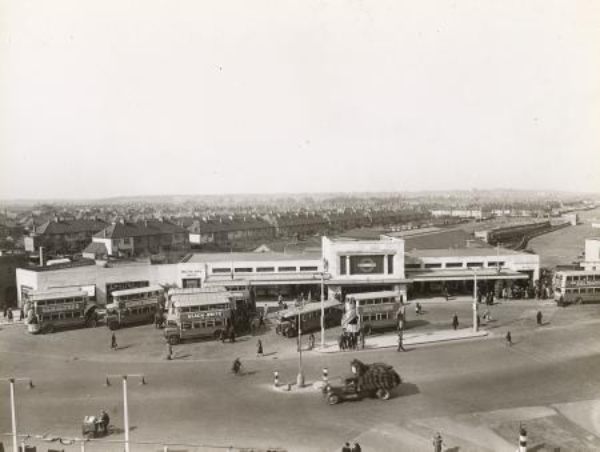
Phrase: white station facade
x=343 y=266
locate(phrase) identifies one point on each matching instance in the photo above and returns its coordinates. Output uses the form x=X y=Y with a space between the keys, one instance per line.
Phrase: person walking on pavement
x=539 y=318
x=401 y=341
x=355 y=447
x=311 y=341
x=346 y=448
x=509 y=339
x=437 y=442
x=169 y=351
x=455 y=321
x=259 y=349
x=113 y=342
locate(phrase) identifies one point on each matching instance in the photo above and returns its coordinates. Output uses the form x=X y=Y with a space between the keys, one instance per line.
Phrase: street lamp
x=125 y=404
x=475 y=322
x=13 y=413
x=300 y=377
x=325 y=268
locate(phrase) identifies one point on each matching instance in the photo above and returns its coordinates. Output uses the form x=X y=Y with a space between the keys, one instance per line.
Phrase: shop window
x=286 y=269
x=342 y=265
x=433 y=265
x=221 y=270
x=454 y=264
x=390 y=260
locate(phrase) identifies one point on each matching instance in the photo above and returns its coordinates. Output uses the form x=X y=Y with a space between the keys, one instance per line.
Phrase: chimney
x=41 y=256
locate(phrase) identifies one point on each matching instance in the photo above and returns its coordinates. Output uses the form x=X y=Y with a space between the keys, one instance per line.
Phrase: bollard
x=276 y=379
x=325 y=375
x=522 y=439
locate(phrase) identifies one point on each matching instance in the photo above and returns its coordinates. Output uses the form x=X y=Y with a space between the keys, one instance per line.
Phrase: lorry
x=367 y=381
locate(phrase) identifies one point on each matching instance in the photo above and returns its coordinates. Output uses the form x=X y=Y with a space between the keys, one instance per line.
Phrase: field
x=565 y=246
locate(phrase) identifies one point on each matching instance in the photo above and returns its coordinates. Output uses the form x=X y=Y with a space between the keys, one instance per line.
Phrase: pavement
x=416 y=338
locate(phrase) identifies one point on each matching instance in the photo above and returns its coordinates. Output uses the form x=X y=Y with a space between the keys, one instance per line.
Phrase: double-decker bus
x=309 y=317
x=134 y=306
x=50 y=310
x=576 y=286
x=371 y=311
x=199 y=314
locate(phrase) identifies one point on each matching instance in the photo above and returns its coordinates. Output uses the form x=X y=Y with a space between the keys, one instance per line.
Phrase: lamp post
x=300 y=377
x=325 y=268
x=13 y=412
x=125 y=401
x=475 y=322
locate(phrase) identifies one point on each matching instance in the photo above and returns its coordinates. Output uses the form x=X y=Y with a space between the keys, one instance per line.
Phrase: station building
x=409 y=264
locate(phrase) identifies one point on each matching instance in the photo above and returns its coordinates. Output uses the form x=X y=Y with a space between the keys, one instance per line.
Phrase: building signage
x=360 y=265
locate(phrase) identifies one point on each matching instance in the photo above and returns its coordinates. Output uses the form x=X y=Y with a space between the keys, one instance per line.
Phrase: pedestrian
x=341 y=342
x=280 y=301
x=446 y=293
x=10 y=315
x=169 y=351
x=479 y=297
x=437 y=442
x=259 y=349
x=509 y=339
x=455 y=321
x=400 y=341
x=539 y=317
x=22 y=318
x=104 y=421
x=478 y=321
x=346 y=448
x=222 y=336
x=355 y=447
x=113 y=342
x=232 y=335
x=311 y=341
x=261 y=321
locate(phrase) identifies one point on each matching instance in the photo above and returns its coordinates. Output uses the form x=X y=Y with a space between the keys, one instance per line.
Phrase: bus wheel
x=217 y=334
x=49 y=329
x=290 y=332
x=383 y=394
x=579 y=300
x=92 y=323
x=333 y=399
x=173 y=340
x=113 y=326
x=368 y=330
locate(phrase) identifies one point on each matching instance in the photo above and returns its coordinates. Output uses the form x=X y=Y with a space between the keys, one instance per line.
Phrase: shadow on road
x=407 y=389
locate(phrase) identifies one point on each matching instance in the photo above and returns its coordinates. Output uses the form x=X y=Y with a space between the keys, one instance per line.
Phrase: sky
x=106 y=98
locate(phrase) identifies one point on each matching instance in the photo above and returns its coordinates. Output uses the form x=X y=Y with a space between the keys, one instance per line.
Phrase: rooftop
x=460 y=252
x=251 y=257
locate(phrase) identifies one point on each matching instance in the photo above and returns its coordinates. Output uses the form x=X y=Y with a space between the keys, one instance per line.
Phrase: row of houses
x=99 y=239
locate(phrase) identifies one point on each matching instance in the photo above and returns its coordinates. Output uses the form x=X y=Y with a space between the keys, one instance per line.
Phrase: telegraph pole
x=13 y=412
x=125 y=401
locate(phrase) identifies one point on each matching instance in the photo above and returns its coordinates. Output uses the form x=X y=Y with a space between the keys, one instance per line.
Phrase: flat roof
x=252 y=257
x=118 y=293
x=462 y=252
x=309 y=307
x=370 y=295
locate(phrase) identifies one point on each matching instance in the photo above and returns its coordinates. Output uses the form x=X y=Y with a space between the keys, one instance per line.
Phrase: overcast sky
x=115 y=97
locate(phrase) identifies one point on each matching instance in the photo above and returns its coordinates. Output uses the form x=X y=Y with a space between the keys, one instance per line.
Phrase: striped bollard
x=522 y=440
x=325 y=375
x=276 y=379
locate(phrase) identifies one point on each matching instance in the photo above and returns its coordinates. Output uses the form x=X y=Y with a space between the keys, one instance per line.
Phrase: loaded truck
x=367 y=380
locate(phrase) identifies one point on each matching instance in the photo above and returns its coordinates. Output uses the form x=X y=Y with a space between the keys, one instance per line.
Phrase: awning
x=462 y=275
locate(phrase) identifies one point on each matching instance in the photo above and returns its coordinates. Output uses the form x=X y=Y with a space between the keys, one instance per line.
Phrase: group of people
x=351 y=341
x=227 y=333
x=354 y=447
